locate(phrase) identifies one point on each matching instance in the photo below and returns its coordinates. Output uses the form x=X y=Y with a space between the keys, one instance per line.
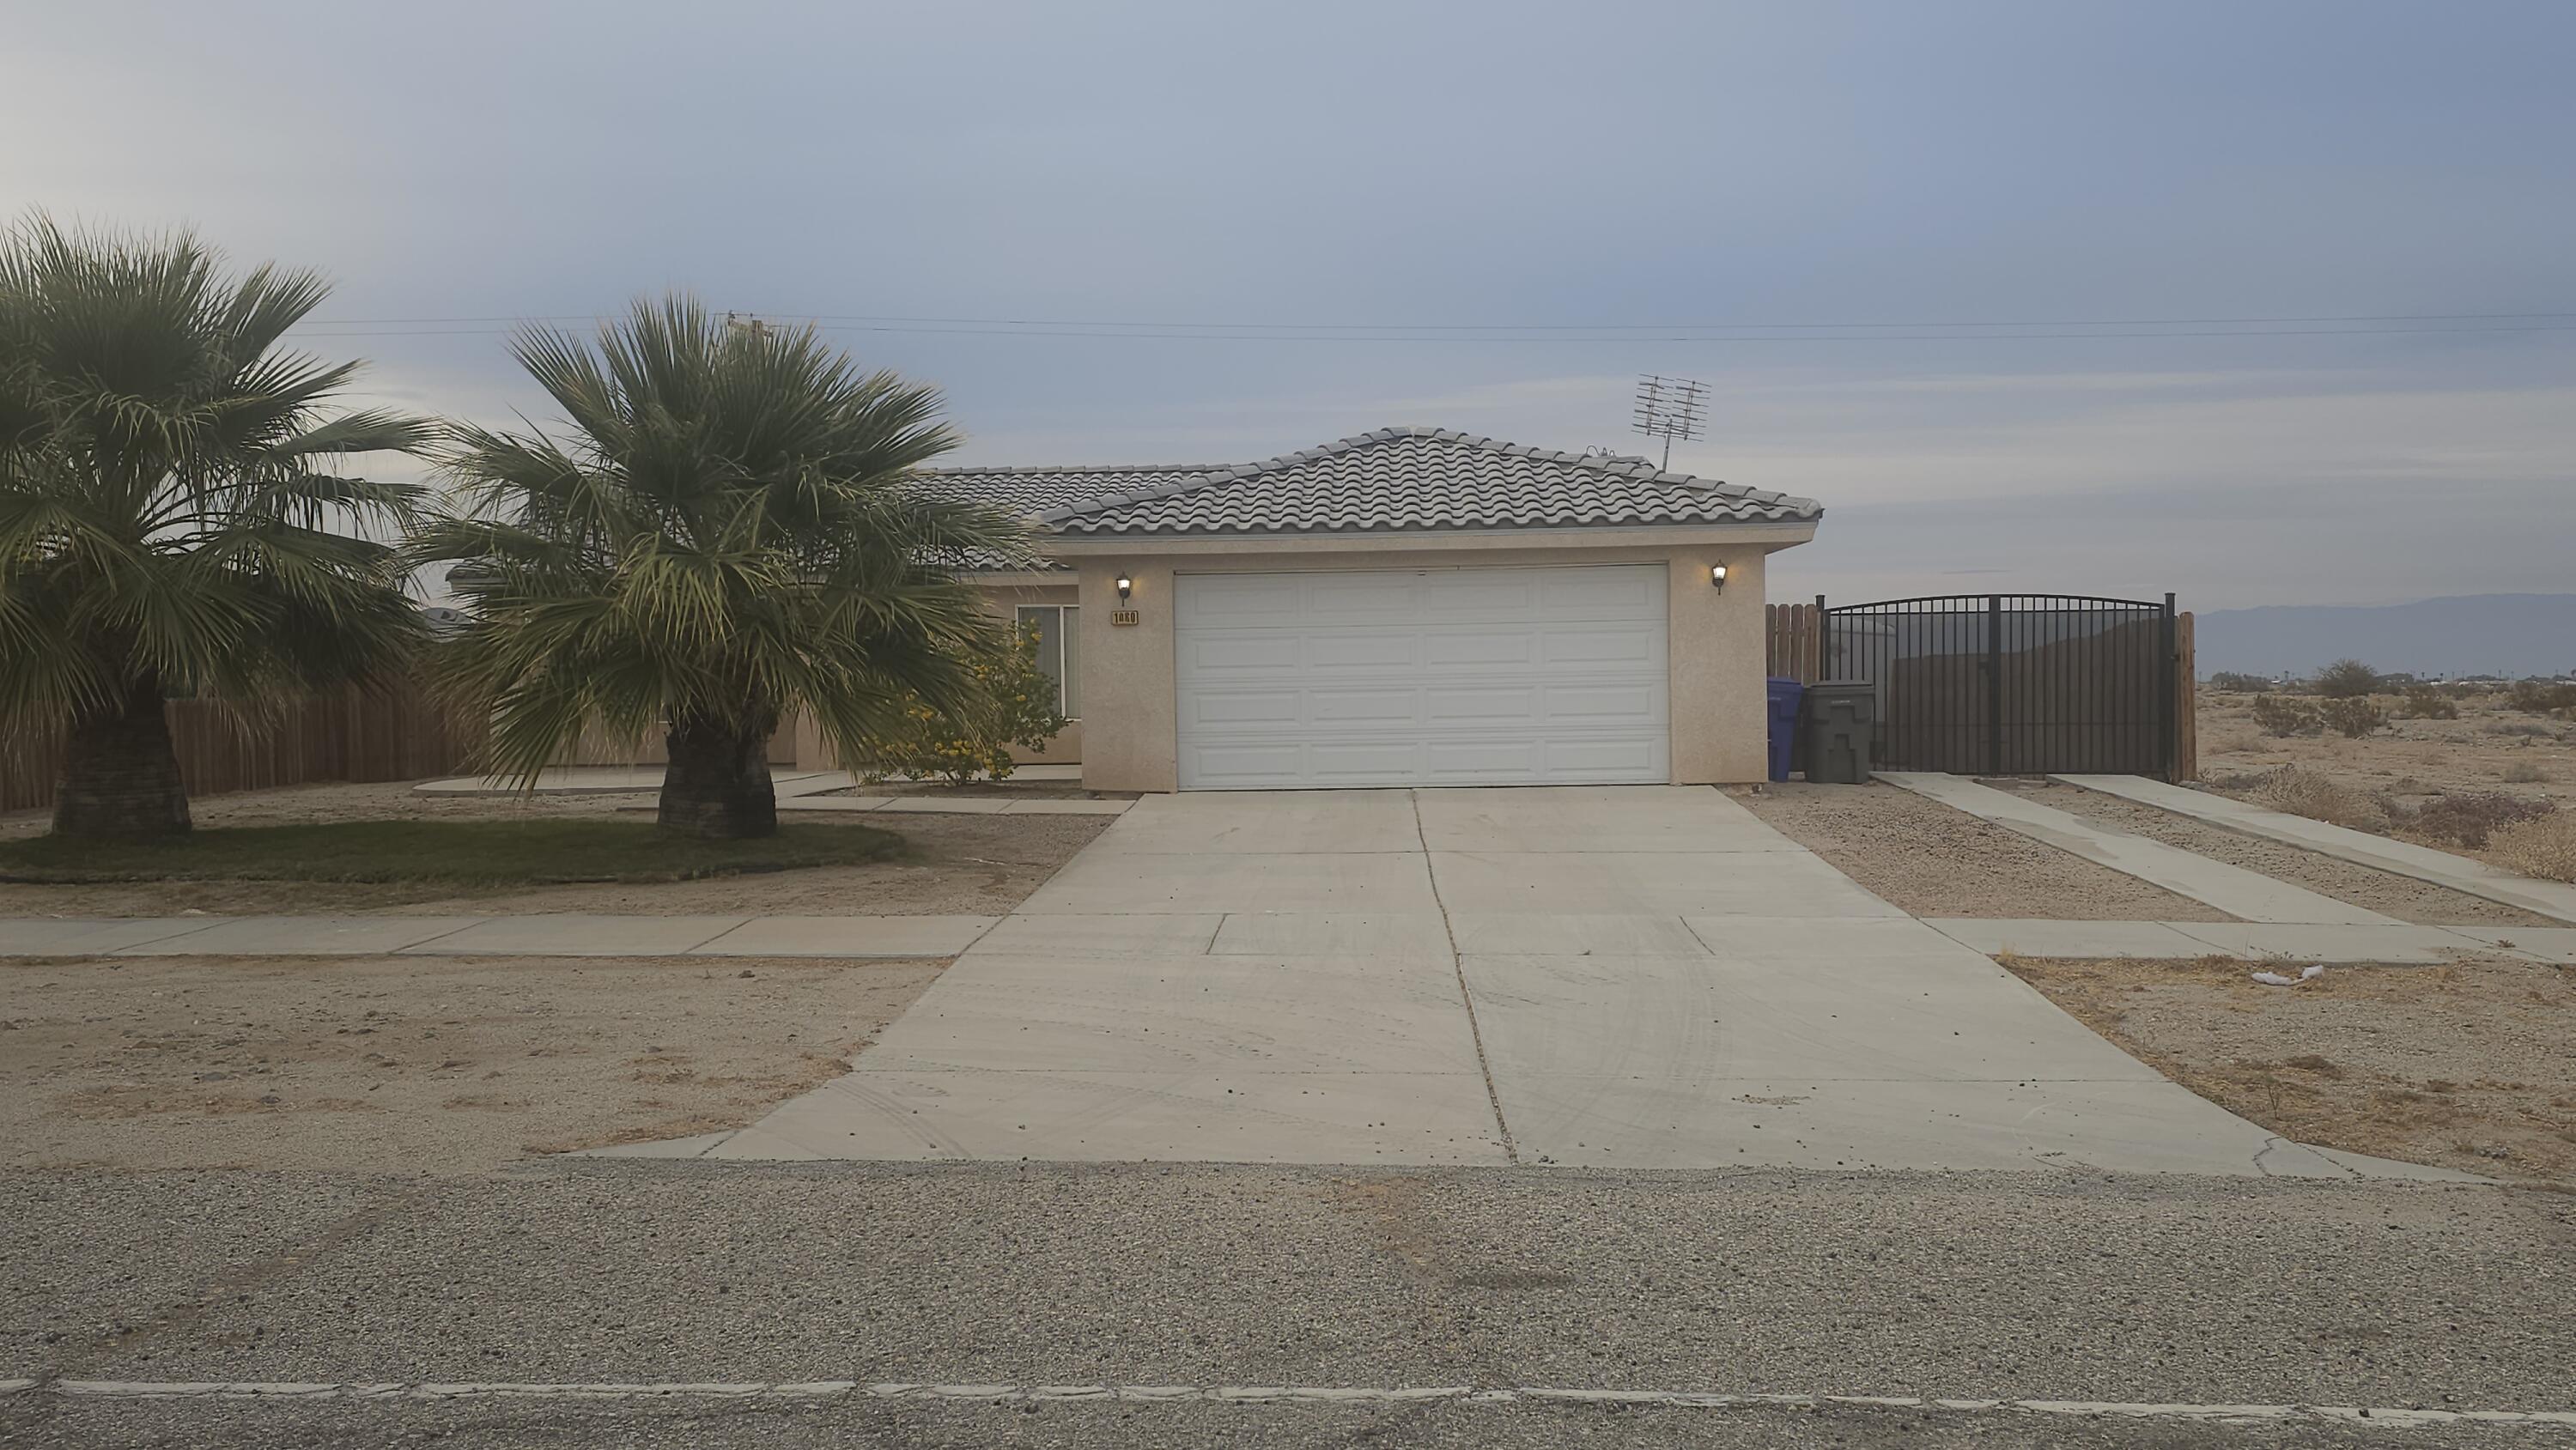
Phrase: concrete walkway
x=2549 y=898
x=2244 y=894
x=1628 y=977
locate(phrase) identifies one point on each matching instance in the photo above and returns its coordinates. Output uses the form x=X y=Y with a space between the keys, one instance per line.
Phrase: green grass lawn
x=466 y=853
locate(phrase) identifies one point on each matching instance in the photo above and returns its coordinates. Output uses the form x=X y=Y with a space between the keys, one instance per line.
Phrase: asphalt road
x=2002 y=1286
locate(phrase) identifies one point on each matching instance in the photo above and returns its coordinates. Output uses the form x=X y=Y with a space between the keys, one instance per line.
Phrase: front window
x=1058 y=651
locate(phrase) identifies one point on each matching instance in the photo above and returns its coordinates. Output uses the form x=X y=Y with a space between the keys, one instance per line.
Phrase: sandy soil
x=407 y=1066
x=1930 y=860
x=2466 y=1066
x=2402 y=897
x=2410 y=759
x=970 y=865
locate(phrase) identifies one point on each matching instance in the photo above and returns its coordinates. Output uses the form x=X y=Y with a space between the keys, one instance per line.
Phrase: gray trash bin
x=1842 y=724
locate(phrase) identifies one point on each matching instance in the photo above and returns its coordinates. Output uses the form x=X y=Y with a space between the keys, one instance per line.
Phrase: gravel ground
x=2037 y=1285
x=951 y=865
x=2402 y=897
x=412 y=1065
x=704 y=1426
x=2470 y=1066
x=1930 y=860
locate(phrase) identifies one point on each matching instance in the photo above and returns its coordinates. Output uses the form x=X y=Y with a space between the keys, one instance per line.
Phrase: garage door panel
x=1270 y=708
x=1631 y=704
x=1602 y=757
x=1261 y=655
x=1459 y=677
x=1469 y=762
x=1355 y=762
x=1247 y=599
x=1480 y=648
x=1362 y=649
x=1465 y=706
x=1223 y=767
x=1616 y=593
x=1364 y=707
x=1357 y=598
x=1601 y=649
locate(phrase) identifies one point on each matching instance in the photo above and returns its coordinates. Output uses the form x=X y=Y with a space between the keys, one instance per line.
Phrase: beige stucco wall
x=1715 y=639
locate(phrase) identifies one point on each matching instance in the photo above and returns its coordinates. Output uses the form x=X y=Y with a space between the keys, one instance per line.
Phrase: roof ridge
x=1618 y=466
x=957 y=468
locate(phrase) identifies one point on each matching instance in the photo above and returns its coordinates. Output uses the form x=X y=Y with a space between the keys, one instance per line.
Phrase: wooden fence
x=351 y=735
x=1795 y=638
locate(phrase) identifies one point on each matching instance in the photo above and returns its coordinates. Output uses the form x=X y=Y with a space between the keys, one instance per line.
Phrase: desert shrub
x=2469 y=818
x=2236 y=682
x=2282 y=715
x=2356 y=716
x=1016 y=706
x=2305 y=793
x=2345 y=679
x=2523 y=772
x=2541 y=697
x=2544 y=847
x=2423 y=702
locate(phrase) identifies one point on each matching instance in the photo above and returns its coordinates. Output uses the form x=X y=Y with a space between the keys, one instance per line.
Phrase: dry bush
x=2228 y=740
x=2281 y=715
x=2305 y=793
x=2469 y=819
x=2236 y=682
x=2346 y=679
x=2354 y=716
x=2545 y=847
x=2423 y=702
x=2523 y=772
x=2542 y=697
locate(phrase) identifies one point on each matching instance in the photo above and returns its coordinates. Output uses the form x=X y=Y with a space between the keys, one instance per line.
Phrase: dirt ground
x=952 y=865
x=1930 y=860
x=410 y=1066
x=2402 y=897
x=2469 y=1066
x=2409 y=759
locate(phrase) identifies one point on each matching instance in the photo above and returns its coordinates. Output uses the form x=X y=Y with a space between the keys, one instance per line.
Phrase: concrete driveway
x=1596 y=976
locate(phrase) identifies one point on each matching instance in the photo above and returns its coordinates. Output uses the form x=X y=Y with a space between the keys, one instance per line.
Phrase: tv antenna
x=1670 y=408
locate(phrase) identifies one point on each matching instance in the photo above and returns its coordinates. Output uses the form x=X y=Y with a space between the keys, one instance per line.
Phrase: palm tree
x=728 y=531
x=171 y=521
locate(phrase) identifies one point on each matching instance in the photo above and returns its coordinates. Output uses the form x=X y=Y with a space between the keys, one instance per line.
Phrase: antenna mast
x=1670 y=408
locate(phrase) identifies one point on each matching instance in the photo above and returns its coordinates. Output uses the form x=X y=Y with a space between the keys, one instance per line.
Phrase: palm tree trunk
x=120 y=776
x=717 y=784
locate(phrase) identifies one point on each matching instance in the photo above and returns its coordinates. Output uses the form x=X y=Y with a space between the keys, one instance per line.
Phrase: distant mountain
x=2472 y=634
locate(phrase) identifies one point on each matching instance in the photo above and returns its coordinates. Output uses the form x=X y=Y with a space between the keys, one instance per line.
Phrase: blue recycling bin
x=1784 y=724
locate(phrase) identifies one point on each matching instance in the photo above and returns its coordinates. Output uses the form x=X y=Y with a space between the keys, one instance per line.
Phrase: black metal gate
x=2013 y=684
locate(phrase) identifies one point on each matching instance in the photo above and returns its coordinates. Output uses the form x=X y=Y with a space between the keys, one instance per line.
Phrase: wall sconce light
x=1125 y=586
x=1717 y=576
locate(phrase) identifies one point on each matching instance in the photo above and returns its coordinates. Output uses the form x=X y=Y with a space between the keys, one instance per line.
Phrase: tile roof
x=1032 y=491
x=1390 y=480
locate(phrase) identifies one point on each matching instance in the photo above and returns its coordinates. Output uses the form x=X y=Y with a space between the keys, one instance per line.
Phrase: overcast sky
x=1580 y=181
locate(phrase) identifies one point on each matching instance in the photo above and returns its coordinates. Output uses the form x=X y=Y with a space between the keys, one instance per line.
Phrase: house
x=1410 y=606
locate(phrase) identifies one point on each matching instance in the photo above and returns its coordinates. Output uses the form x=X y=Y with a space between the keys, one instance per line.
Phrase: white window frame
x=1066 y=621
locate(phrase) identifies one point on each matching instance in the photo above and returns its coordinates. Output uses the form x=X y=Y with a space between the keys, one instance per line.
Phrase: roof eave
x=1777 y=533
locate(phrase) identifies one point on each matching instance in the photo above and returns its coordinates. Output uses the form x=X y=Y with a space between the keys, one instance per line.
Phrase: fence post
x=2168 y=696
x=1994 y=684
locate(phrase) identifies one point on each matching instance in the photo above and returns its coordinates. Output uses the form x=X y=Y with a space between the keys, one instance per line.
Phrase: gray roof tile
x=1391 y=480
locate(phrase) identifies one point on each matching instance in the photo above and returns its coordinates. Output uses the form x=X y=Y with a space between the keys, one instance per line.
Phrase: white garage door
x=1429 y=677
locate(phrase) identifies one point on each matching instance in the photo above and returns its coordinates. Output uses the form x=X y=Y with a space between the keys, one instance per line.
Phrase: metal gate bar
x=2013 y=684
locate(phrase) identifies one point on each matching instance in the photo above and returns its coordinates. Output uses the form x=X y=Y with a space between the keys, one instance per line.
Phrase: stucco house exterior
x=1410 y=606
